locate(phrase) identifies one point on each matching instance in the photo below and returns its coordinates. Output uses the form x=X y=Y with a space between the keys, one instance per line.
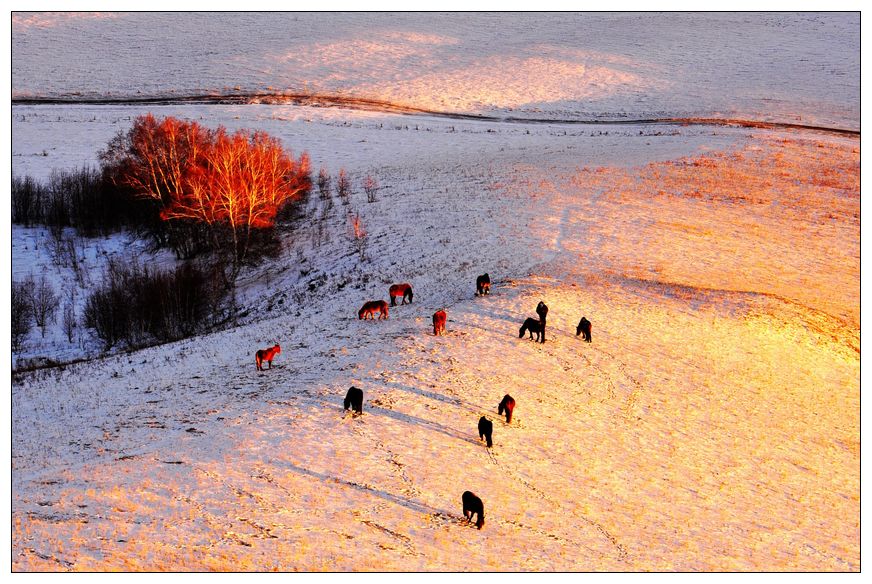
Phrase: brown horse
x=372 y=307
x=507 y=405
x=397 y=290
x=266 y=355
x=583 y=328
x=482 y=284
x=439 y=318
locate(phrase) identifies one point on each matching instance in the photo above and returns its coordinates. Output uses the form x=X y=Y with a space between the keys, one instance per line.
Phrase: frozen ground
x=787 y=67
x=712 y=424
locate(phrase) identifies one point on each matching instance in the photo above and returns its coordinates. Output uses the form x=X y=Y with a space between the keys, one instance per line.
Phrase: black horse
x=486 y=430
x=354 y=399
x=542 y=311
x=583 y=328
x=508 y=404
x=482 y=284
x=532 y=325
x=472 y=505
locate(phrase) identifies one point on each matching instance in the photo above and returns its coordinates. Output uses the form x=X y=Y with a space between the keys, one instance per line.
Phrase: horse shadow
x=421 y=422
x=454 y=401
x=410 y=504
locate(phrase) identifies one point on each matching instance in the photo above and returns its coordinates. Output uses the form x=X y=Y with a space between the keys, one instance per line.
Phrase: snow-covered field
x=712 y=424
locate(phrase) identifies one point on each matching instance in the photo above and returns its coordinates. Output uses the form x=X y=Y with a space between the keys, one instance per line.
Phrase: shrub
x=44 y=302
x=343 y=187
x=370 y=187
x=22 y=316
x=27 y=198
x=83 y=198
x=323 y=183
x=137 y=305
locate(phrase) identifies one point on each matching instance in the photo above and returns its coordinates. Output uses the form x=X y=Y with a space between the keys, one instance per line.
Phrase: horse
x=486 y=430
x=439 y=318
x=508 y=404
x=534 y=326
x=472 y=505
x=482 y=284
x=266 y=355
x=371 y=307
x=542 y=311
x=404 y=290
x=583 y=328
x=354 y=399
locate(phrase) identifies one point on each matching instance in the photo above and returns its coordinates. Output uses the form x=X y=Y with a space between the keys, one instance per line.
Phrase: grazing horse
x=583 y=328
x=482 y=284
x=542 y=311
x=266 y=355
x=439 y=318
x=534 y=326
x=472 y=505
x=404 y=290
x=508 y=404
x=371 y=307
x=354 y=399
x=486 y=430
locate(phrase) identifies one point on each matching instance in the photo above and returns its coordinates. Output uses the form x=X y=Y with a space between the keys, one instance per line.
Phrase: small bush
x=343 y=187
x=324 y=183
x=370 y=187
x=44 y=302
x=22 y=316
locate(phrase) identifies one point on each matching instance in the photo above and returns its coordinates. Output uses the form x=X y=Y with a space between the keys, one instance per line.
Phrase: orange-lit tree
x=233 y=184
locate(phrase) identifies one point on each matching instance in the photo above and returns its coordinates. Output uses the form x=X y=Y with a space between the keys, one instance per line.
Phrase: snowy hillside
x=712 y=424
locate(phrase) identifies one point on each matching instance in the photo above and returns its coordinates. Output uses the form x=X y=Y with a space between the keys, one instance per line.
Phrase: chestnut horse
x=404 y=290
x=266 y=355
x=372 y=307
x=472 y=505
x=508 y=404
x=439 y=318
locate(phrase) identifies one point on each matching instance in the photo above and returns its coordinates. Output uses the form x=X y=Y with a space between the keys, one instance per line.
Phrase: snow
x=712 y=424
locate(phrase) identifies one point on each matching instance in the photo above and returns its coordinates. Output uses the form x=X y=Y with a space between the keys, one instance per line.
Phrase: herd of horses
x=472 y=505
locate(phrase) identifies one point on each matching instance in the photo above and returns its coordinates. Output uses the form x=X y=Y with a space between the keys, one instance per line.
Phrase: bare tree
x=44 y=302
x=69 y=321
x=343 y=186
x=22 y=317
x=358 y=234
x=370 y=186
x=233 y=184
x=323 y=183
